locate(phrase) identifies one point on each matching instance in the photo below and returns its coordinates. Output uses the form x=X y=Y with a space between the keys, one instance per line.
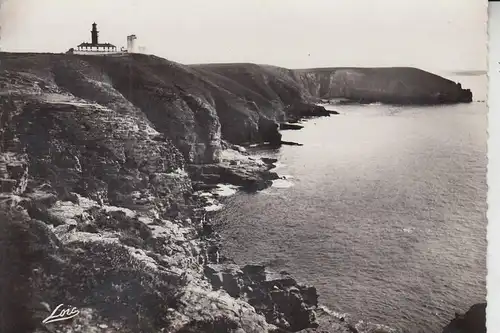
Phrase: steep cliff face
x=83 y=147
x=198 y=105
x=163 y=94
x=395 y=85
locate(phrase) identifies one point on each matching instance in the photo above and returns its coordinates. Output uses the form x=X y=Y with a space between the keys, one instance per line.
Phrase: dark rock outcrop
x=250 y=174
x=285 y=303
x=473 y=321
x=280 y=299
x=298 y=111
x=290 y=126
x=290 y=143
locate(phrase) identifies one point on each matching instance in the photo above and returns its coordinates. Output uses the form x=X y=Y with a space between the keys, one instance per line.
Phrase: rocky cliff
x=472 y=321
x=100 y=162
x=195 y=106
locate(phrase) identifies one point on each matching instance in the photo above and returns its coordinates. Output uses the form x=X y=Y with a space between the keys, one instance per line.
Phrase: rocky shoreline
x=147 y=261
x=71 y=237
x=108 y=260
x=287 y=305
x=109 y=169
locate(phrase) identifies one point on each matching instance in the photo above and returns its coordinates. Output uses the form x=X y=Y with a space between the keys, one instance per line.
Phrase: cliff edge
x=196 y=106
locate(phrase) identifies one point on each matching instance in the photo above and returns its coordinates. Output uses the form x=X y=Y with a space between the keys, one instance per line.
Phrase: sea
x=383 y=210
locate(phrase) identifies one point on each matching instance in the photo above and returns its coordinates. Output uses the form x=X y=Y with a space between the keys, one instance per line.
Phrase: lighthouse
x=94 y=48
x=94 y=34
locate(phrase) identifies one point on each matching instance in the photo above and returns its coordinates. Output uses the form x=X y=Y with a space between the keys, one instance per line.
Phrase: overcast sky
x=430 y=34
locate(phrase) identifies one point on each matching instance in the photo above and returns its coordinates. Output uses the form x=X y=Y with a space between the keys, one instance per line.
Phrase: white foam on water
x=282 y=183
x=214 y=207
x=278 y=165
x=204 y=194
x=225 y=190
x=332 y=313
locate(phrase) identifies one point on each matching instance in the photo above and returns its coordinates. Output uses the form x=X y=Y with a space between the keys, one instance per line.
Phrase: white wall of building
x=96 y=53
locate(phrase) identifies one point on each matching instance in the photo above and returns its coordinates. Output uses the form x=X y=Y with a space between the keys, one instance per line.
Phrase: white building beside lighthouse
x=131 y=43
x=96 y=48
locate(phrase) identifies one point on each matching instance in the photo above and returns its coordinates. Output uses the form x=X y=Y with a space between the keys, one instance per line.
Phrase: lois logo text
x=61 y=312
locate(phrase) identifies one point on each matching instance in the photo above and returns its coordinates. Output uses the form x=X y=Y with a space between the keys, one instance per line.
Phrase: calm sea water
x=386 y=214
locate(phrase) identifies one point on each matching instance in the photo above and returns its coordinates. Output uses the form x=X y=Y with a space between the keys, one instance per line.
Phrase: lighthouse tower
x=95 y=34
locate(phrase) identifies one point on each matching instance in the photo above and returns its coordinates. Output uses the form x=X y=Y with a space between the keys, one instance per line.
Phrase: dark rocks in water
x=250 y=173
x=227 y=279
x=300 y=110
x=473 y=321
x=285 y=303
x=256 y=273
x=343 y=101
x=203 y=186
x=290 y=143
x=333 y=112
x=269 y=131
x=465 y=94
x=269 y=160
x=290 y=126
x=249 y=179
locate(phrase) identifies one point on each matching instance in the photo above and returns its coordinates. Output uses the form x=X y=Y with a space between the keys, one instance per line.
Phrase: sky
x=429 y=34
